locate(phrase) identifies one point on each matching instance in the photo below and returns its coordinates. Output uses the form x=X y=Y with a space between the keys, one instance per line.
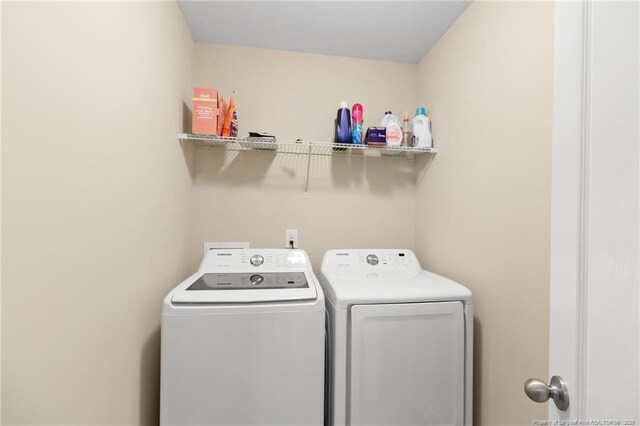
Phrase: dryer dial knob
x=257 y=260
x=372 y=259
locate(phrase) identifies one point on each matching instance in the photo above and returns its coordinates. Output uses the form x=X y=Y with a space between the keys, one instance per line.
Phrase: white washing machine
x=400 y=341
x=243 y=342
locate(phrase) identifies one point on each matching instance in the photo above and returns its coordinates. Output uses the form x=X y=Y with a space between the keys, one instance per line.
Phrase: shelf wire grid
x=303 y=147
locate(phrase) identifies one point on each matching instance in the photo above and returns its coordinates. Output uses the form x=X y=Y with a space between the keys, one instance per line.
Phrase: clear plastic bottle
x=406 y=131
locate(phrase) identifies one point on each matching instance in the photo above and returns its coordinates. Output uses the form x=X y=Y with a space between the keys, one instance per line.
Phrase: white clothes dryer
x=400 y=341
x=243 y=342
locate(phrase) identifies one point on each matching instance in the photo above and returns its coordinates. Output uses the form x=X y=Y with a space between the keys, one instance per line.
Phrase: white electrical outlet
x=291 y=238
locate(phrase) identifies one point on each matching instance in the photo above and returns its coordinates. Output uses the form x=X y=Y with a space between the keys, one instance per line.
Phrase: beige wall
x=484 y=202
x=255 y=196
x=96 y=204
x=103 y=212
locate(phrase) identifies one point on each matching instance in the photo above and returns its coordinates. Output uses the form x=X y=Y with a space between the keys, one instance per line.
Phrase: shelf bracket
x=306 y=186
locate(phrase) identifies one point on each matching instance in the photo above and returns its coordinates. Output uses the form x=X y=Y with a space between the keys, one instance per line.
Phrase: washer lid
x=246 y=287
x=359 y=288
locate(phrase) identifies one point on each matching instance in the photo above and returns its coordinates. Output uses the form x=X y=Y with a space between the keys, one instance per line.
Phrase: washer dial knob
x=257 y=260
x=372 y=259
x=256 y=279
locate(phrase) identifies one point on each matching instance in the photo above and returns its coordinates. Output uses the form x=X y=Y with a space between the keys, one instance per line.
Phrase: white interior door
x=594 y=315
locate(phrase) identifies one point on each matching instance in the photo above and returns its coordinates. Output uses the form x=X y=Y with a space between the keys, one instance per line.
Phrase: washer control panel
x=255 y=260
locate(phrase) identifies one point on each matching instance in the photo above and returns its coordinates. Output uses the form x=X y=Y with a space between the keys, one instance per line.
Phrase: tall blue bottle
x=343 y=124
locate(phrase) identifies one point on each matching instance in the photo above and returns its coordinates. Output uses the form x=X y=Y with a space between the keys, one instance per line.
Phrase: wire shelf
x=303 y=147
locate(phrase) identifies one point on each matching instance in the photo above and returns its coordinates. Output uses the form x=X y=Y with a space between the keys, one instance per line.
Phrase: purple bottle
x=343 y=124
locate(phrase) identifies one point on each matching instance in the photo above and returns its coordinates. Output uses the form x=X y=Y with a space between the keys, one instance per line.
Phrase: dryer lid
x=245 y=287
x=357 y=289
x=353 y=277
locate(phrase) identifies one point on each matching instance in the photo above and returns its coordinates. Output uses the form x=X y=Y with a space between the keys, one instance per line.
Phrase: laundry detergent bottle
x=422 y=130
x=343 y=124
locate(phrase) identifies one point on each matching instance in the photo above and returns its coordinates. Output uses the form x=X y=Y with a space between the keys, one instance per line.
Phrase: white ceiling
x=401 y=31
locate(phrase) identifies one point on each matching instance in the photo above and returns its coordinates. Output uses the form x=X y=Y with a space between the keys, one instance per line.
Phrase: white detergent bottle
x=422 y=130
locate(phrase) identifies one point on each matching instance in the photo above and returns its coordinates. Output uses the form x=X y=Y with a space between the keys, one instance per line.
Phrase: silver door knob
x=539 y=391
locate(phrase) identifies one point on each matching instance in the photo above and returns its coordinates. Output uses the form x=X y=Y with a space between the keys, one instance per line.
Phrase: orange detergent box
x=205 y=111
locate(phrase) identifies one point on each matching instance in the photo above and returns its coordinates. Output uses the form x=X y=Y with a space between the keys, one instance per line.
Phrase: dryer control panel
x=370 y=260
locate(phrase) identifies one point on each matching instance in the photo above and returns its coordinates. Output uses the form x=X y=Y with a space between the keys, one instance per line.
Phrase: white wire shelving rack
x=301 y=147
x=279 y=146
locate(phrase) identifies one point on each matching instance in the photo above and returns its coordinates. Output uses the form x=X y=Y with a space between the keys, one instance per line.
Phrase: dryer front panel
x=407 y=364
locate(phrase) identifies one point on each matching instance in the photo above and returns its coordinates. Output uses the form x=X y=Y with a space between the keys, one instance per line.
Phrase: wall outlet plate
x=291 y=235
x=223 y=245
